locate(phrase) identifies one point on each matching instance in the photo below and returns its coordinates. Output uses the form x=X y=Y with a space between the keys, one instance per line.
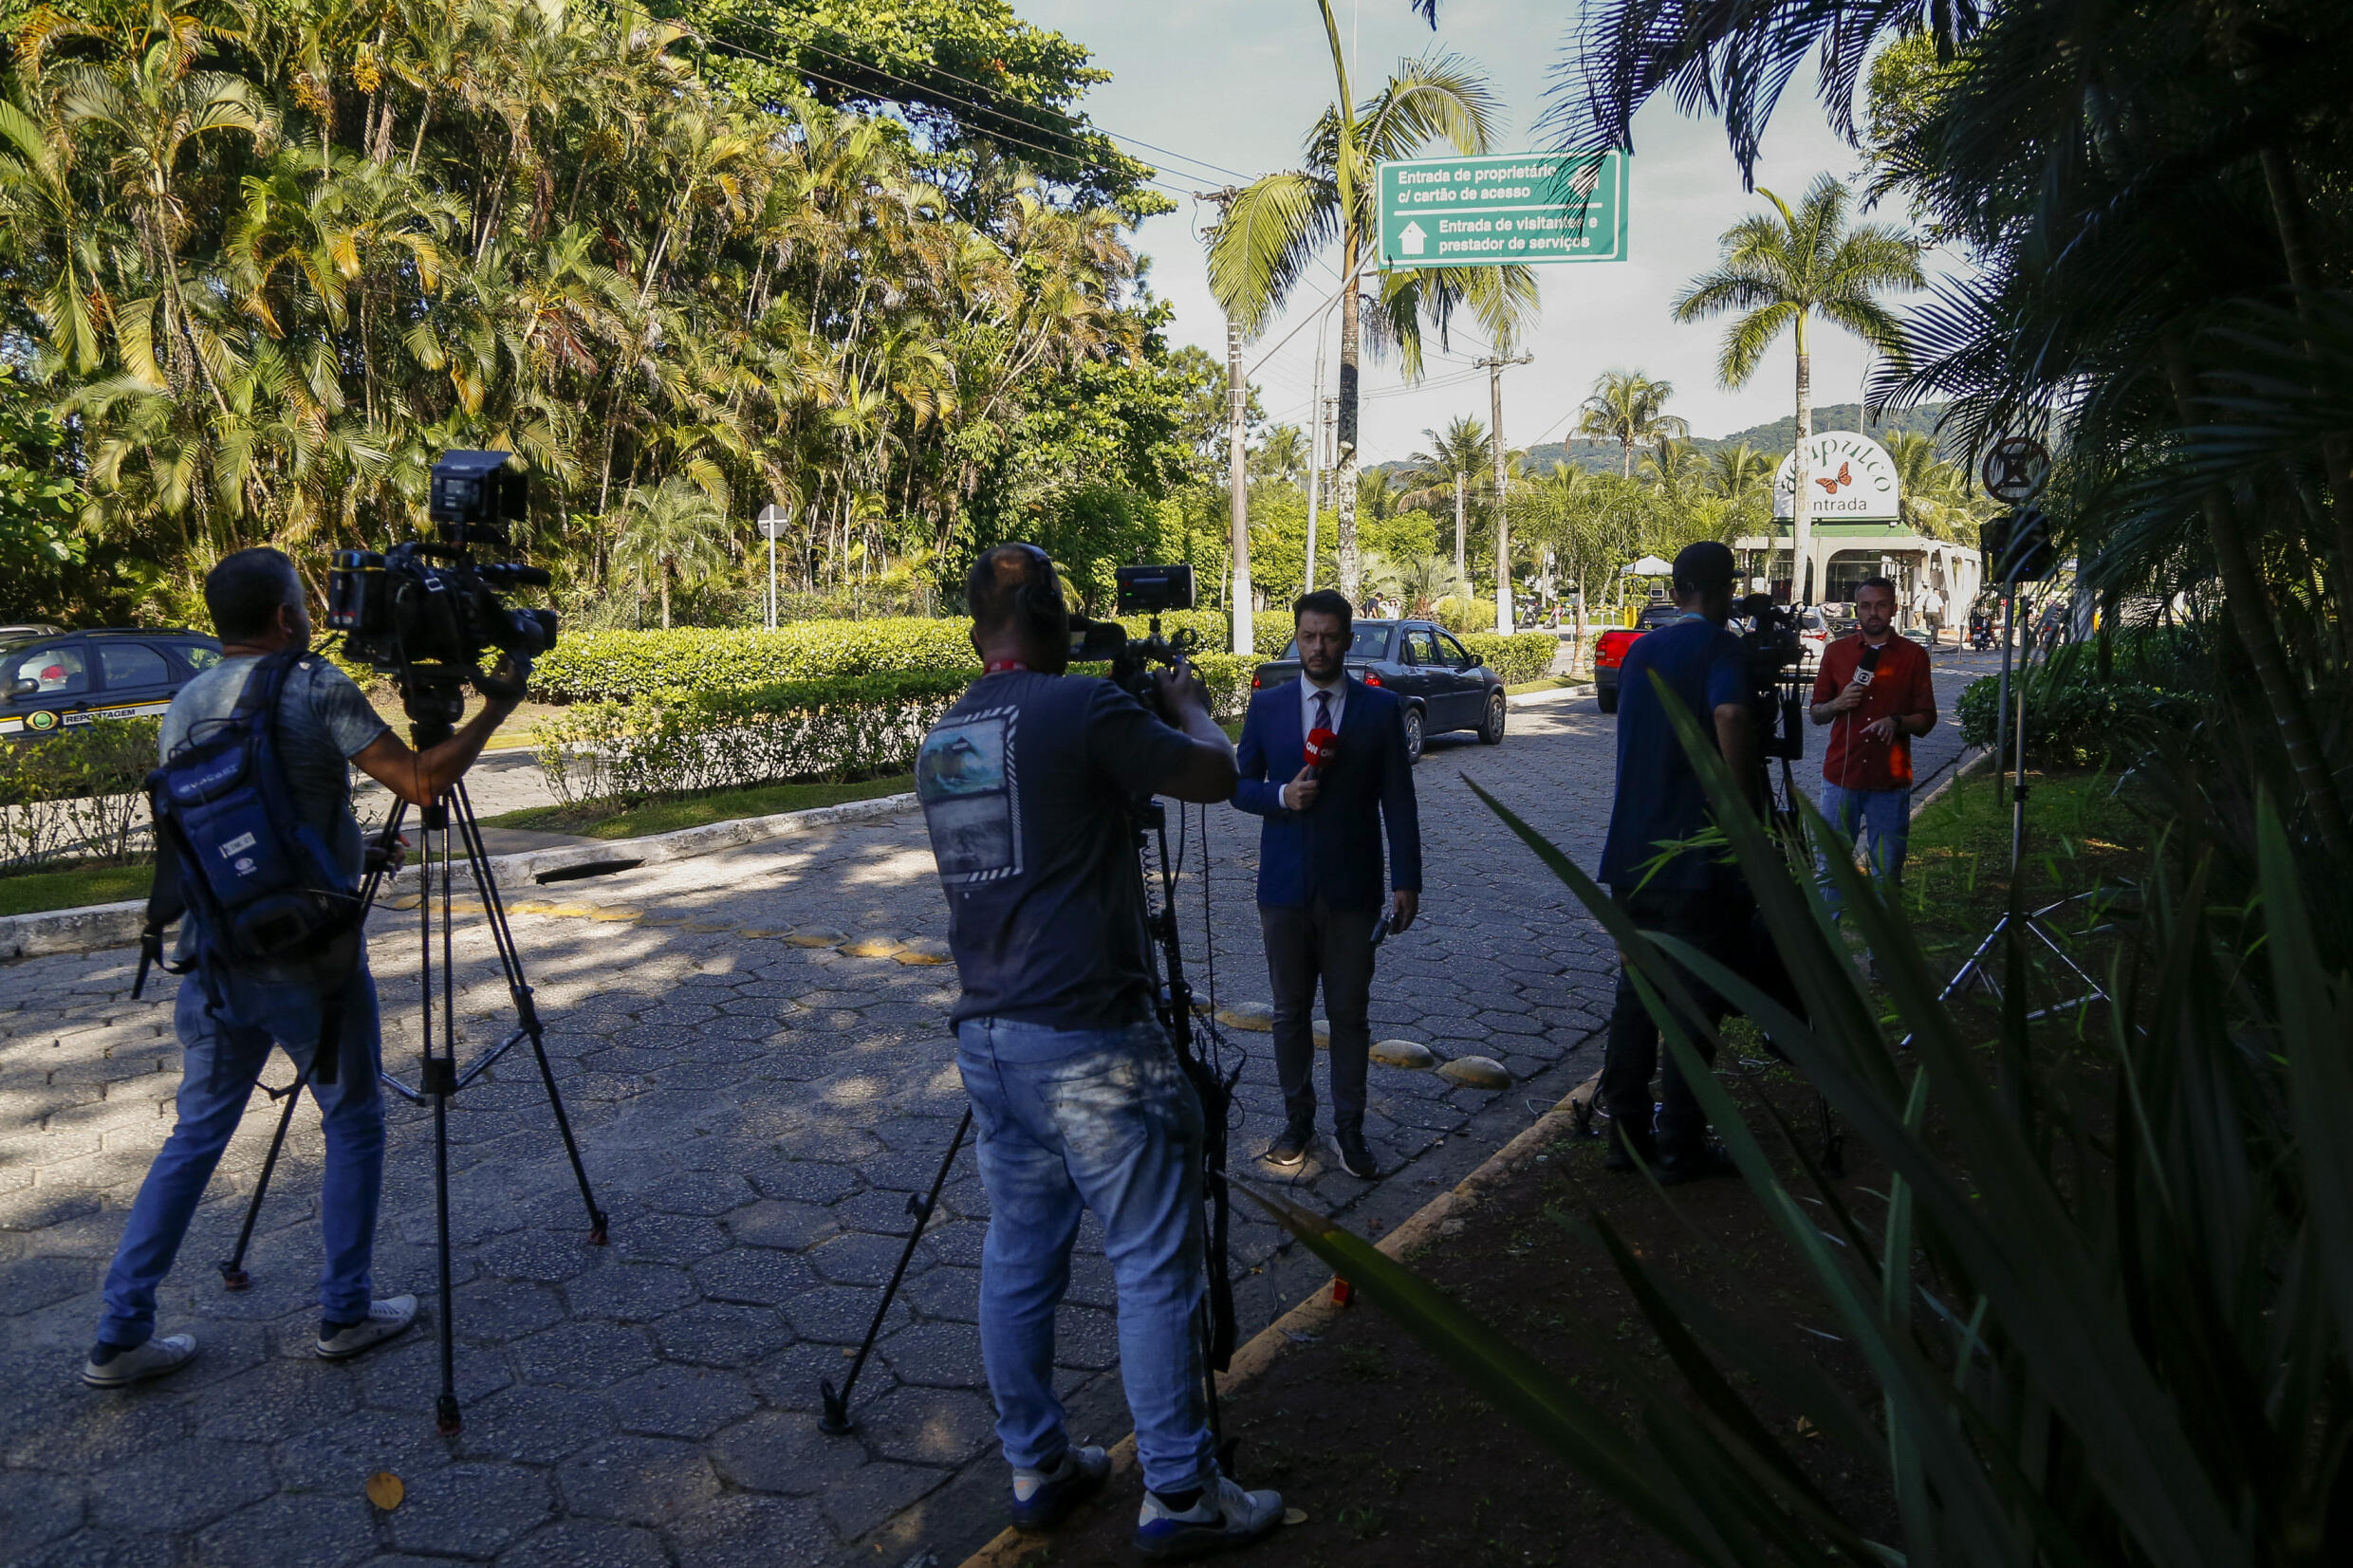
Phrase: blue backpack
x=232 y=852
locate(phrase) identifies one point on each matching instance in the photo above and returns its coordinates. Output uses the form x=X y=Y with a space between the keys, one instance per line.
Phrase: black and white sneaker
x=120 y=1366
x=1224 y=1517
x=1354 y=1157
x=1289 y=1149
x=342 y=1342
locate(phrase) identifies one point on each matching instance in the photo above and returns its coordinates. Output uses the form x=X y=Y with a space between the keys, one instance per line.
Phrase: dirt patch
x=1394 y=1460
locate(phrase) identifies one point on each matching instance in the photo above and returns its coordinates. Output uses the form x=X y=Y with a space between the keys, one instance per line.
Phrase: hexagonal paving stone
x=635 y=1480
x=276 y=1400
x=181 y=1486
x=587 y=1543
x=470 y=1509
x=928 y=1425
x=868 y=1496
x=291 y=1530
x=585 y=1355
x=630 y=1293
x=782 y=1453
x=535 y=1426
x=792 y=1226
x=721 y=1333
x=756 y=1276
x=39 y=1508
x=935 y=1356
x=864 y=1260
x=747 y=1531
x=682 y=1401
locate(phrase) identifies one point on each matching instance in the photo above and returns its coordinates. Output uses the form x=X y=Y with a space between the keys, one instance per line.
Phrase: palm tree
x=1282 y=454
x=1450 y=472
x=1781 y=269
x=1935 y=498
x=1741 y=474
x=1273 y=229
x=1629 y=408
x=671 y=532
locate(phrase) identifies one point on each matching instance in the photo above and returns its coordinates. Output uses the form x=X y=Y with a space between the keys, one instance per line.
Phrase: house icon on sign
x=1410 y=238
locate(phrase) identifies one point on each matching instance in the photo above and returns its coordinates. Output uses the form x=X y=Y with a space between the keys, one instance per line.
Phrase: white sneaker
x=385 y=1319
x=1225 y=1517
x=139 y=1363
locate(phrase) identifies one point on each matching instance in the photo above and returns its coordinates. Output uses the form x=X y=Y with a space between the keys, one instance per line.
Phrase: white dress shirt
x=1308 y=691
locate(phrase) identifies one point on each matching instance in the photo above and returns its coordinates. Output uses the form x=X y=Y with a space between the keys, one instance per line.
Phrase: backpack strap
x=166 y=901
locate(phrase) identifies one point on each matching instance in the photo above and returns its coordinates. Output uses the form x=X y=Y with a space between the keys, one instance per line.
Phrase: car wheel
x=1608 y=697
x=1413 y=735
x=1491 y=732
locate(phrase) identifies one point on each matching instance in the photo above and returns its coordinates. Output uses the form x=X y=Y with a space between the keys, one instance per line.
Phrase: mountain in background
x=1773 y=440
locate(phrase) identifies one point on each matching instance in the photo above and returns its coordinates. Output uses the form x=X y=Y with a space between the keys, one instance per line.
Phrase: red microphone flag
x=1322 y=745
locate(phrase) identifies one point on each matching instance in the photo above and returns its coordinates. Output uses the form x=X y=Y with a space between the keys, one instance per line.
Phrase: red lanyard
x=998 y=665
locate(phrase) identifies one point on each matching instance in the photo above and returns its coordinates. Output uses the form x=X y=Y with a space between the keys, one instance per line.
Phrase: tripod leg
x=836 y=1420
x=233 y=1267
x=527 y=1011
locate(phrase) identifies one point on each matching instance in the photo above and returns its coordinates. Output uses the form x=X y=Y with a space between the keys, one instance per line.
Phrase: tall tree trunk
x=1802 y=589
x=2250 y=610
x=665 y=599
x=1625 y=460
x=1343 y=469
x=2279 y=179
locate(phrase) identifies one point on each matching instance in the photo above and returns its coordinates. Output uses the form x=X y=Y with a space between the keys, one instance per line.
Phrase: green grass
x=696 y=810
x=1544 y=683
x=2079 y=836
x=34 y=891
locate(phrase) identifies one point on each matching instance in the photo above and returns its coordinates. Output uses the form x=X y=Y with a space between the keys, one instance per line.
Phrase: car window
x=1370 y=642
x=126 y=664
x=1450 y=651
x=201 y=655
x=58 y=671
x=1420 y=647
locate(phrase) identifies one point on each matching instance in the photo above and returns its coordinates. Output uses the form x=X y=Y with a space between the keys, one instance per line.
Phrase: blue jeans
x=224 y=1040
x=1101 y=1120
x=1884 y=816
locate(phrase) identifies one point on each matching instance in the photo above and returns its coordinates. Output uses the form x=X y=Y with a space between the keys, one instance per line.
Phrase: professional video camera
x=1141 y=591
x=1769 y=646
x=398 y=610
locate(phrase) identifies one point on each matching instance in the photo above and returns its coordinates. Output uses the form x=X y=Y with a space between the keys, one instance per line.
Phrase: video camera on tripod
x=1140 y=591
x=1770 y=650
x=429 y=625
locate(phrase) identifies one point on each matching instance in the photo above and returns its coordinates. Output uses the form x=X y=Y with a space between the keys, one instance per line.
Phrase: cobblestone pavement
x=755 y=1115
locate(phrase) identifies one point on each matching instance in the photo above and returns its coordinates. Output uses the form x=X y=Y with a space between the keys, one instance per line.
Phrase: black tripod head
x=434 y=700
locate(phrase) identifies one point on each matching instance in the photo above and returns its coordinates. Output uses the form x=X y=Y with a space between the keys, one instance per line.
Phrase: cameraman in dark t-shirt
x=1077 y=1095
x=1695 y=895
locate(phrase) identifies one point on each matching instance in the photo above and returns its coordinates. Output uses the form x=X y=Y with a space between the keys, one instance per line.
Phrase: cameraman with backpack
x=319 y=1004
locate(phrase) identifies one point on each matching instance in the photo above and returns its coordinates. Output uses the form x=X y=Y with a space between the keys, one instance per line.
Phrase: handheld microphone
x=1866 y=664
x=1323 y=747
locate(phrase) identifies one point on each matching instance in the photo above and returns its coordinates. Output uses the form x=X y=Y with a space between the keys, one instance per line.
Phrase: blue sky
x=1238 y=84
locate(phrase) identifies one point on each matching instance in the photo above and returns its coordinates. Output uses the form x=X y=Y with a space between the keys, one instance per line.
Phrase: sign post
x=1504 y=209
x=772 y=520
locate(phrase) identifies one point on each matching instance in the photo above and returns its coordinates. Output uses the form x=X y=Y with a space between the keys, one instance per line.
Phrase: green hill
x=1773 y=439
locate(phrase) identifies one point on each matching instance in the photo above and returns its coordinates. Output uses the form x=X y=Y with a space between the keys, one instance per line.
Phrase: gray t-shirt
x=323 y=720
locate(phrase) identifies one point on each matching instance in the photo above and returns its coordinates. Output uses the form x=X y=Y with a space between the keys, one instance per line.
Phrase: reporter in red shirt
x=1873 y=714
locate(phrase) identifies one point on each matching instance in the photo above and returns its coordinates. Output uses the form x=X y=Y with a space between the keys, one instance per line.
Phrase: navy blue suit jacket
x=1333 y=849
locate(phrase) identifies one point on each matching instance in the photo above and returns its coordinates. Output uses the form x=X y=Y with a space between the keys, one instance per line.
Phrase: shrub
x=683 y=740
x=2072 y=717
x=679 y=741
x=623 y=666
x=1459 y=616
x=1522 y=656
x=76 y=792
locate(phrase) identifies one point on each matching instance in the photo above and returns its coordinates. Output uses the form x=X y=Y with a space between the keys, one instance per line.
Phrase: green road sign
x=1509 y=209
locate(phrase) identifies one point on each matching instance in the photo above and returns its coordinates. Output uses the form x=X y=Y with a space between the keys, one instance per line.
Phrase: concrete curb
x=1310 y=1319
x=1561 y=693
x=1966 y=764
x=100 y=926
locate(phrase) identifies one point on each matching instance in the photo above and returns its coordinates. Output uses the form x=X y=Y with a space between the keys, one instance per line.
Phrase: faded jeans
x=1883 y=815
x=225 y=1042
x=1098 y=1120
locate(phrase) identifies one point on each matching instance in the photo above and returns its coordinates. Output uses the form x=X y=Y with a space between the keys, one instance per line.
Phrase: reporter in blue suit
x=1320 y=866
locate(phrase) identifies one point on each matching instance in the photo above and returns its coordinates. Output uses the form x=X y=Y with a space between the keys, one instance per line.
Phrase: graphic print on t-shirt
x=965 y=778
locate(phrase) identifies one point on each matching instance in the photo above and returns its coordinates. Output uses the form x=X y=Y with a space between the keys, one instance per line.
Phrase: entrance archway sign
x=1507 y=209
x=774 y=519
x=1853 y=477
x=2015 y=469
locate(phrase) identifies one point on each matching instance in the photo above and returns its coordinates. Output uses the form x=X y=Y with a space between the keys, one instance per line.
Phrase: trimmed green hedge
x=1520 y=657
x=678 y=741
x=76 y=792
x=608 y=666
x=2072 y=716
x=682 y=741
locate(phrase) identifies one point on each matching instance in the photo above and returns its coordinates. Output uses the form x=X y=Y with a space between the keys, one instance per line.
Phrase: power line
x=1073 y=125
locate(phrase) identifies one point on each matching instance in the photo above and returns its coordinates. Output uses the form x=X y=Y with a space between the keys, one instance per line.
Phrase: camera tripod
x=432 y=709
x=1214 y=1323
x=2011 y=735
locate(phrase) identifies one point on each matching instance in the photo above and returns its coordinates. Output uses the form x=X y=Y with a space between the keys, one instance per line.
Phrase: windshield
x=1371 y=641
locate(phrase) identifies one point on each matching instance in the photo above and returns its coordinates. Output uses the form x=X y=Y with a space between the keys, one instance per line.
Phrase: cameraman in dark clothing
x=1077 y=1095
x=1696 y=895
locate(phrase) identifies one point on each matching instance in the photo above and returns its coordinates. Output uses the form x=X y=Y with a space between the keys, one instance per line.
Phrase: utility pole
x=1502 y=521
x=1237 y=408
x=1462 y=483
x=1326 y=413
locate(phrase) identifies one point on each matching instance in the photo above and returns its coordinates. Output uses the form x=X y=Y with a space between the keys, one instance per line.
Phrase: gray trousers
x=1306 y=945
